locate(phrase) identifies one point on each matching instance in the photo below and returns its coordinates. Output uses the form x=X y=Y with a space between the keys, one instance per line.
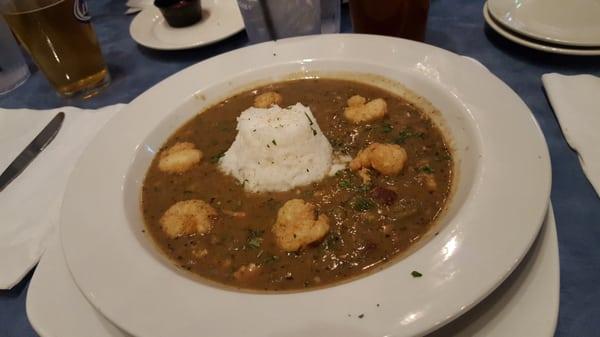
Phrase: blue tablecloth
x=455 y=25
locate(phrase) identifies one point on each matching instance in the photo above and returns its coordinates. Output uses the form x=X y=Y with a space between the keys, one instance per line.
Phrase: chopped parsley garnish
x=255 y=242
x=215 y=159
x=274 y=142
x=415 y=273
x=363 y=204
x=361 y=316
x=387 y=128
x=310 y=123
x=406 y=134
x=309 y=120
x=345 y=184
x=426 y=169
x=271 y=259
x=255 y=238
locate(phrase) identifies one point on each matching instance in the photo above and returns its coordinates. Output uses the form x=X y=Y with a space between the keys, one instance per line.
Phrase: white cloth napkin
x=134 y=6
x=30 y=204
x=576 y=103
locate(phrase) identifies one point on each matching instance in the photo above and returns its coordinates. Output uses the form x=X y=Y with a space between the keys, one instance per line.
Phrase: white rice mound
x=277 y=149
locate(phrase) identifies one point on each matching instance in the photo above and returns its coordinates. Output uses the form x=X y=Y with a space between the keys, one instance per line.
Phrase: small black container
x=180 y=13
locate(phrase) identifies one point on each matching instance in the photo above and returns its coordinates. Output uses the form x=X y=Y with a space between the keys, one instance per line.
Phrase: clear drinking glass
x=276 y=19
x=13 y=69
x=61 y=41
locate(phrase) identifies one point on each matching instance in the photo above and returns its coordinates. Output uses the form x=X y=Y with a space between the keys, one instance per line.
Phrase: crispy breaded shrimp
x=356 y=100
x=246 y=271
x=298 y=225
x=363 y=173
x=179 y=158
x=265 y=100
x=388 y=159
x=358 y=112
x=188 y=217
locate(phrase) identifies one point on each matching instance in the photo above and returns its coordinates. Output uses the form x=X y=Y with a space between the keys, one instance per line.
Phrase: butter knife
x=37 y=145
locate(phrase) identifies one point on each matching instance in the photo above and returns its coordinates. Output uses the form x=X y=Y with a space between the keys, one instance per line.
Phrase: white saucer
x=524 y=41
x=221 y=19
x=526 y=304
x=571 y=23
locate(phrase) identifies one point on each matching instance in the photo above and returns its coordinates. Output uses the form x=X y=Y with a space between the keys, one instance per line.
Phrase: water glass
x=13 y=69
x=276 y=19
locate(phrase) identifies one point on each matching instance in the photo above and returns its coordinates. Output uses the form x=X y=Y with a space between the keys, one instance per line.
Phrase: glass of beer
x=61 y=40
x=400 y=18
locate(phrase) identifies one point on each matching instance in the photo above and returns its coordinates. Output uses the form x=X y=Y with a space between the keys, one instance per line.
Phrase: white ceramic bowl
x=503 y=186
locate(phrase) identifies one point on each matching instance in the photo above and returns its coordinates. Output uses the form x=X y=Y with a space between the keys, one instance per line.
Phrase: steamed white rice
x=277 y=149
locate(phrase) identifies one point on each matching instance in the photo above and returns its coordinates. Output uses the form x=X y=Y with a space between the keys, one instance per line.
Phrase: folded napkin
x=30 y=204
x=576 y=103
x=134 y=6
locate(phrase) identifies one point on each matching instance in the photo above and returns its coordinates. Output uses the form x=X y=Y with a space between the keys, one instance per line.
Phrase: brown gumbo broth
x=369 y=223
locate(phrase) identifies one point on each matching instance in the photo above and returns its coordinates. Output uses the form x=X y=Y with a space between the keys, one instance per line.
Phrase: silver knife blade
x=37 y=145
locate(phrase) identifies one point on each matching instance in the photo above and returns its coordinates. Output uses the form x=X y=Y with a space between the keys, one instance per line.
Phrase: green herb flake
x=314 y=131
x=255 y=238
x=274 y=142
x=345 y=184
x=387 y=128
x=309 y=120
x=255 y=242
x=426 y=169
x=403 y=136
x=416 y=274
x=271 y=259
x=215 y=159
x=407 y=133
x=363 y=204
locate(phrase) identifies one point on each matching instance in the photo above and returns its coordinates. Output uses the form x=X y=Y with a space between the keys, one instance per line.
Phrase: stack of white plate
x=494 y=263
x=555 y=26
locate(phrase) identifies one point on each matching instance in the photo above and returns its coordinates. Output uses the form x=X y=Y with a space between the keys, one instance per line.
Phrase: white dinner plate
x=524 y=41
x=526 y=304
x=571 y=23
x=221 y=19
x=503 y=186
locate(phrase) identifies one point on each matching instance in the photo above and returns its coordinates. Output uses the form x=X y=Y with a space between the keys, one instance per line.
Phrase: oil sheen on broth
x=370 y=220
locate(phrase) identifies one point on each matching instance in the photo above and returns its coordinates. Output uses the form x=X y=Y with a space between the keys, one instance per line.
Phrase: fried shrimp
x=387 y=159
x=358 y=111
x=298 y=225
x=188 y=217
x=267 y=99
x=179 y=158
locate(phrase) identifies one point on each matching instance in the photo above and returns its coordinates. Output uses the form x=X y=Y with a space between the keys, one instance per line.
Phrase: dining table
x=454 y=25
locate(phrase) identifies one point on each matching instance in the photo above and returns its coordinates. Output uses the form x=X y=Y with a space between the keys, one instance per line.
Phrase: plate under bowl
x=503 y=187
